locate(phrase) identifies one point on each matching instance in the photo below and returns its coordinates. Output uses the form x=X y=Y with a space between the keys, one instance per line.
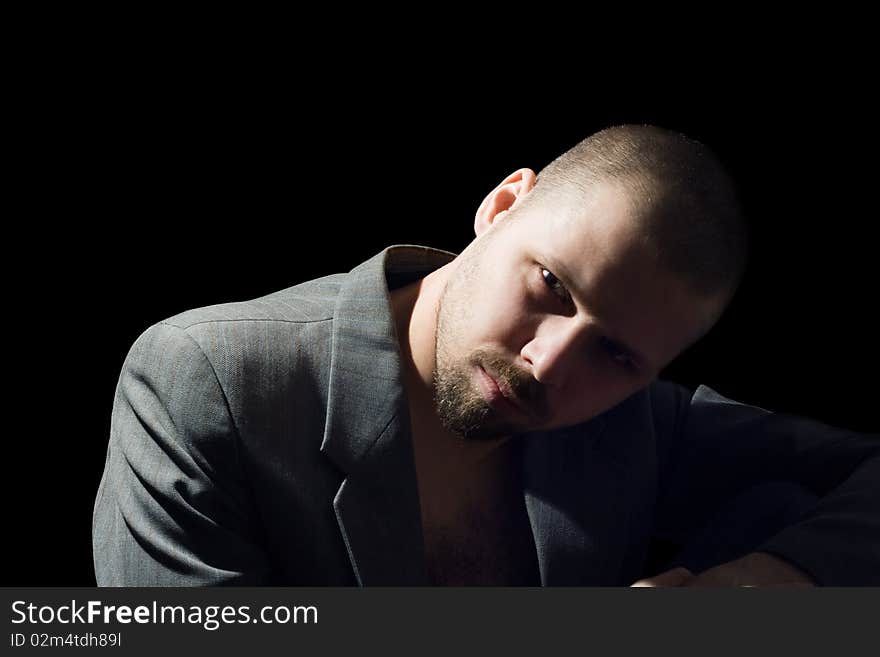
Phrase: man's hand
x=675 y=577
x=757 y=569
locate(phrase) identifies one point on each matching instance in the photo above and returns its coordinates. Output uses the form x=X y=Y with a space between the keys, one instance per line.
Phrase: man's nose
x=552 y=353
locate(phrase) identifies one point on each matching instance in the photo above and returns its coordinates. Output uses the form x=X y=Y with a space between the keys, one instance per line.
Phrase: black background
x=153 y=180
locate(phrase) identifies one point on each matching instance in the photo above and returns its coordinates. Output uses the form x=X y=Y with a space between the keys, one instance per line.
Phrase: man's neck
x=415 y=317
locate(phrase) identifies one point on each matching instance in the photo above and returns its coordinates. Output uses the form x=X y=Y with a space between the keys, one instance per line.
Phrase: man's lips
x=507 y=393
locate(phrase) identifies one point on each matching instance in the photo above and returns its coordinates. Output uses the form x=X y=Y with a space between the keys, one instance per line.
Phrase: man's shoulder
x=277 y=327
x=308 y=302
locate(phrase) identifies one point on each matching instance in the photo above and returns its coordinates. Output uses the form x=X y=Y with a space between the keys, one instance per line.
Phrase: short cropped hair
x=690 y=214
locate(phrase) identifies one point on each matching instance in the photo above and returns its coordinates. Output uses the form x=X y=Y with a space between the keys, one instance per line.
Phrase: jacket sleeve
x=172 y=508
x=711 y=448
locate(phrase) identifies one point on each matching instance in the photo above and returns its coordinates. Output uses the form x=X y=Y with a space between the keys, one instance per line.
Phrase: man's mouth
x=500 y=390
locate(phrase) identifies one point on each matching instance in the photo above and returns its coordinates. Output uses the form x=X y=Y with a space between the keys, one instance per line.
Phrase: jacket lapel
x=367 y=431
x=379 y=517
x=579 y=486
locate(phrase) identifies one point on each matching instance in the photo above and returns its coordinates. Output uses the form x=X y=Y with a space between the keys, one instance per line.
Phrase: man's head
x=583 y=283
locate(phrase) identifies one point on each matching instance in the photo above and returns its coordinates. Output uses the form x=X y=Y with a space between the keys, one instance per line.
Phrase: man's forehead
x=601 y=219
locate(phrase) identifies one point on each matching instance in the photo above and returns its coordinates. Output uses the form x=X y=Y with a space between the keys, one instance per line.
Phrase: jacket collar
x=367 y=431
x=366 y=392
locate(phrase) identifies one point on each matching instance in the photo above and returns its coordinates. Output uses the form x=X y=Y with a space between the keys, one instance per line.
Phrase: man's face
x=562 y=311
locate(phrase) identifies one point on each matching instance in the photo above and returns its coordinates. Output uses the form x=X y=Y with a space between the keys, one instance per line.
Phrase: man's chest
x=486 y=541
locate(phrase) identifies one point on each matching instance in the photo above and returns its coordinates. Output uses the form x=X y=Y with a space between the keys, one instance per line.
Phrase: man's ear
x=503 y=198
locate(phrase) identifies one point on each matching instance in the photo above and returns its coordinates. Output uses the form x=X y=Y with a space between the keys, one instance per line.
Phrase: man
x=487 y=418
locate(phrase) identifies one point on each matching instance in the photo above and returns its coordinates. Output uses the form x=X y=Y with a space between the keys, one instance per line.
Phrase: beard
x=461 y=406
x=458 y=401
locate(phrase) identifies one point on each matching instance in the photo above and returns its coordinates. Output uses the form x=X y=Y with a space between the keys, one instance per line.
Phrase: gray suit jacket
x=267 y=442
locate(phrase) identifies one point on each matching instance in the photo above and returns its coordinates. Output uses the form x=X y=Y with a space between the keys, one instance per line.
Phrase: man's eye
x=617 y=354
x=554 y=284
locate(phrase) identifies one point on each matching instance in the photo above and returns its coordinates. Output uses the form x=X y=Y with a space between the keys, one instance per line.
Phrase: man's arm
x=172 y=508
x=711 y=448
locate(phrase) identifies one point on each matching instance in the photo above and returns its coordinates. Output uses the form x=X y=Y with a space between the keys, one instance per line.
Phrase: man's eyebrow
x=562 y=274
